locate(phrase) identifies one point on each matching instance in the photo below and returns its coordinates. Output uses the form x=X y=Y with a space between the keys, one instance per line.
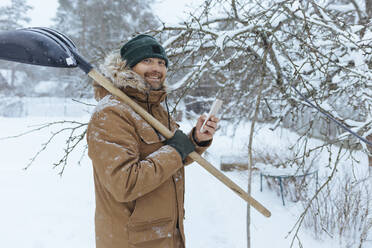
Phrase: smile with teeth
x=154 y=77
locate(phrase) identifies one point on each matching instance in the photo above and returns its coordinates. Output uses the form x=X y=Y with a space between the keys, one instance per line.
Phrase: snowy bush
x=342 y=211
x=288 y=162
x=339 y=206
x=50 y=88
x=11 y=107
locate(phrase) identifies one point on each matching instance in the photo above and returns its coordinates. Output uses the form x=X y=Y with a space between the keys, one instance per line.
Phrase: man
x=138 y=174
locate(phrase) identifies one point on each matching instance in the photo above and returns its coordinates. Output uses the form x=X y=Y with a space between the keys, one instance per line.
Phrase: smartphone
x=213 y=111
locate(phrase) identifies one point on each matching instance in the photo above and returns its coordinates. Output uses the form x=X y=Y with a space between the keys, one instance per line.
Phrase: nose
x=156 y=67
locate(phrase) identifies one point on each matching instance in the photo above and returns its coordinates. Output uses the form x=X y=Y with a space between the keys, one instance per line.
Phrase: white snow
x=44 y=87
x=7 y=74
x=39 y=209
x=44 y=106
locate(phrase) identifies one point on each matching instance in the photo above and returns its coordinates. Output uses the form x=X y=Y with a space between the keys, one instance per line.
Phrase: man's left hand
x=209 y=128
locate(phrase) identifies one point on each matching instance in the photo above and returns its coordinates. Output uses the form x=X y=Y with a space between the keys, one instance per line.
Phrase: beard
x=155 y=80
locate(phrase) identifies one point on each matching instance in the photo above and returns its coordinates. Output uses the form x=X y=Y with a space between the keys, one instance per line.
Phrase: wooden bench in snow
x=232 y=162
x=283 y=173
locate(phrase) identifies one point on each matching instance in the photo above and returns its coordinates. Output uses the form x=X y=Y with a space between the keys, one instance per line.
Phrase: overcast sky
x=170 y=11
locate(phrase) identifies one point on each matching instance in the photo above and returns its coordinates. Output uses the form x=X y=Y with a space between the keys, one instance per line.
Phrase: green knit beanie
x=141 y=47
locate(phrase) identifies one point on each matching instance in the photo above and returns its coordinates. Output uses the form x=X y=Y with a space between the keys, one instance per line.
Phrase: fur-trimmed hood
x=114 y=68
x=121 y=76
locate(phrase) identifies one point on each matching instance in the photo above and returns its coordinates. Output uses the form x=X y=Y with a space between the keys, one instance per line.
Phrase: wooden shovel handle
x=104 y=82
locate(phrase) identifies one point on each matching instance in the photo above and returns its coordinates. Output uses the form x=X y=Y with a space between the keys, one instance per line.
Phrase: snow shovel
x=48 y=47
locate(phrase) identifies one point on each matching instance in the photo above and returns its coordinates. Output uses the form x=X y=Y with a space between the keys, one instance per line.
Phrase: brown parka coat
x=139 y=181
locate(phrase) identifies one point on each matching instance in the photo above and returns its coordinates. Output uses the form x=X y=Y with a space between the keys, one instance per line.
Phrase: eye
x=162 y=62
x=147 y=61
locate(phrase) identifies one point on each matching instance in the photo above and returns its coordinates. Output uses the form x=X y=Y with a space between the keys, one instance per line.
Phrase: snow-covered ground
x=40 y=209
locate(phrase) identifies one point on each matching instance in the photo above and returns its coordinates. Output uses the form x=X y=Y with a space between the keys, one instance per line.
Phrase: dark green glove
x=181 y=143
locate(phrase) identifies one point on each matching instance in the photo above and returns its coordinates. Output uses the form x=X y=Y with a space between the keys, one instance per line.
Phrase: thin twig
x=298 y=223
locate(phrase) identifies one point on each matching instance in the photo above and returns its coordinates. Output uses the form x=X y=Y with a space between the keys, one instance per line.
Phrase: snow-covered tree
x=13 y=16
x=98 y=27
x=319 y=49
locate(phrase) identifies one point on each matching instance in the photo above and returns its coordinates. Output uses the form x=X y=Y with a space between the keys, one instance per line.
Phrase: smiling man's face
x=153 y=71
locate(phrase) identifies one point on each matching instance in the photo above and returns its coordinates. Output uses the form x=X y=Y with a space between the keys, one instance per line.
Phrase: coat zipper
x=177 y=210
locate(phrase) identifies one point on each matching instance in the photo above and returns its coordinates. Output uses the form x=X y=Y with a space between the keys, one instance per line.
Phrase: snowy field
x=40 y=209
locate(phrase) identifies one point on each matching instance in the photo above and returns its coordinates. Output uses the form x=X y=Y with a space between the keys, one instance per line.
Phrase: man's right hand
x=181 y=143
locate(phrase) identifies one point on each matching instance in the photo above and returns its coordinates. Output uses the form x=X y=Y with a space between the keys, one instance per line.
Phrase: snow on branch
x=313 y=46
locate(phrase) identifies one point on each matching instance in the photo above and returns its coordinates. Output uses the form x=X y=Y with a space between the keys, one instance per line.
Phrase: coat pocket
x=156 y=233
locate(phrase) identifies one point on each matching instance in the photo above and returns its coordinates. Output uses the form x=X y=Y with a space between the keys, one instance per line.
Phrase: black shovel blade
x=32 y=46
x=60 y=36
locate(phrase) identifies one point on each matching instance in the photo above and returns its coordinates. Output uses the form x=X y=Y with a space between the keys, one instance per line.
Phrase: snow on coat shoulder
x=110 y=101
